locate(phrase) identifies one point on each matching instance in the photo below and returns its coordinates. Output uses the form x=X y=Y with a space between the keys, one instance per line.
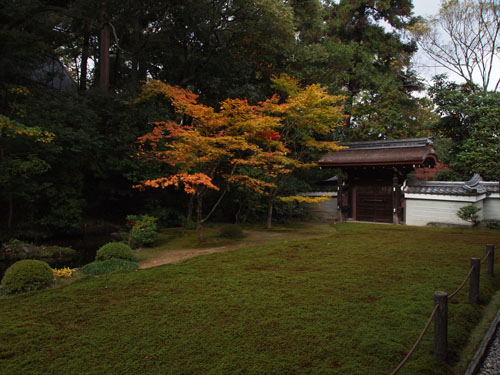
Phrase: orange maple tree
x=205 y=154
x=214 y=150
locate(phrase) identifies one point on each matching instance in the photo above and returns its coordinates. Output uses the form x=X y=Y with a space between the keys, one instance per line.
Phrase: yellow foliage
x=302 y=199
x=286 y=84
x=63 y=272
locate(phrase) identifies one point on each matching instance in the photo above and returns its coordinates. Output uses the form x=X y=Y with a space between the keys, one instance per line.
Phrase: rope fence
x=440 y=312
x=488 y=252
x=414 y=347
x=461 y=285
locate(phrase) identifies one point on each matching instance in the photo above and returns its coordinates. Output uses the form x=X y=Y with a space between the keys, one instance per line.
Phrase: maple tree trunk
x=269 y=219
x=199 y=223
x=189 y=213
x=237 y=216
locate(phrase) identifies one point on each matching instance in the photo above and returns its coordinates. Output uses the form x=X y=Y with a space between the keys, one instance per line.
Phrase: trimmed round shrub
x=106 y=266
x=115 y=250
x=231 y=231
x=27 y=275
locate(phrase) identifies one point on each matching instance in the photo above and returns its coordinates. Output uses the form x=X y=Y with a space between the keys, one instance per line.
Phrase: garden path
x=252 y=237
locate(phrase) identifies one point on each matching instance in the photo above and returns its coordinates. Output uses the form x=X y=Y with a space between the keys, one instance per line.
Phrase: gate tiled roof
x=394 y=152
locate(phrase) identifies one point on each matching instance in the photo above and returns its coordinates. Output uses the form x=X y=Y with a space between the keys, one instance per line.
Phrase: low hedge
x=110 y=265
x=115 y=250
x=27 y=275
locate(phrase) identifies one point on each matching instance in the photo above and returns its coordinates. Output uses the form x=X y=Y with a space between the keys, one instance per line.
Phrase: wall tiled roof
x=474 y=186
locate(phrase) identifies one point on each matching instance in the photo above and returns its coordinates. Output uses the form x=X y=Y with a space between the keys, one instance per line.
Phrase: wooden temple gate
x=373 y=175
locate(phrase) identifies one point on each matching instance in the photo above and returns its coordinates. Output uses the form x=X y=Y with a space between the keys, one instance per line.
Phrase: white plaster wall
x=324 y=211
x=330 y=206
x=423 y=211
x=491 y=208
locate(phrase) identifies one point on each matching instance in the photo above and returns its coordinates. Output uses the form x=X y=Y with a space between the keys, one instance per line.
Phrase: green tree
x=368 y=63
x=470 y=119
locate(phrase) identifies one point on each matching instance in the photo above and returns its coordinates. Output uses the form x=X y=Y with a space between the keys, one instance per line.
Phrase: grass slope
x=351 y=303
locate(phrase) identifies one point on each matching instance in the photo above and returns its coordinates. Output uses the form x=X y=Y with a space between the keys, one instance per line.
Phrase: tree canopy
x=231 y=98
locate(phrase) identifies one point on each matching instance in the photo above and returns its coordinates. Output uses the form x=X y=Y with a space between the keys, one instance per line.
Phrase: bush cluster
x=111 y=257
x=26 y=275
x=144 y=230
x=115 y=250
x=16 y=250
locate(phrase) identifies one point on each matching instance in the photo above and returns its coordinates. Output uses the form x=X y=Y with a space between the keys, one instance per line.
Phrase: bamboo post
x=441 y=325
x=474 y=280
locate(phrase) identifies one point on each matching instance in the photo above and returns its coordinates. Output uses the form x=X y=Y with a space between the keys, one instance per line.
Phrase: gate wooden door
x=374 y=203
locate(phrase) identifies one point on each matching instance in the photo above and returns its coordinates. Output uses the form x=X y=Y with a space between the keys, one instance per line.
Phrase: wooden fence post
x=474 y=280
x=490 y=260
x=441 y=325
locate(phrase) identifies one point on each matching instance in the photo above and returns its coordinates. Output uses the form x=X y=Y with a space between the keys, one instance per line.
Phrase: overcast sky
x=425 y=67
x=426 y=7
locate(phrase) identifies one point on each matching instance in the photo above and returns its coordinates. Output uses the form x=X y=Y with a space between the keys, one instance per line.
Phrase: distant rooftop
x=52 y=73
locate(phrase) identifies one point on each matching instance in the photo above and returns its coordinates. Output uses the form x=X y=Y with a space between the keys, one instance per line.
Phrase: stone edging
x=481 y=352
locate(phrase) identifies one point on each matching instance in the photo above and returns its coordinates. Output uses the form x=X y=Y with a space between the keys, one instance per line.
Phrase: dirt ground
x=251 y=238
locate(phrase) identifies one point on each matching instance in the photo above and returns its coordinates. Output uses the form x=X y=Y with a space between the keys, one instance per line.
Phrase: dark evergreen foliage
x=217 y=49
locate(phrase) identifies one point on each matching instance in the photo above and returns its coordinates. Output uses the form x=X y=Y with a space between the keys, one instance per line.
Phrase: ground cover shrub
x=26 y=275
x=107 y=266
x=231 y=231
x=144 y=230
x=115 y=250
